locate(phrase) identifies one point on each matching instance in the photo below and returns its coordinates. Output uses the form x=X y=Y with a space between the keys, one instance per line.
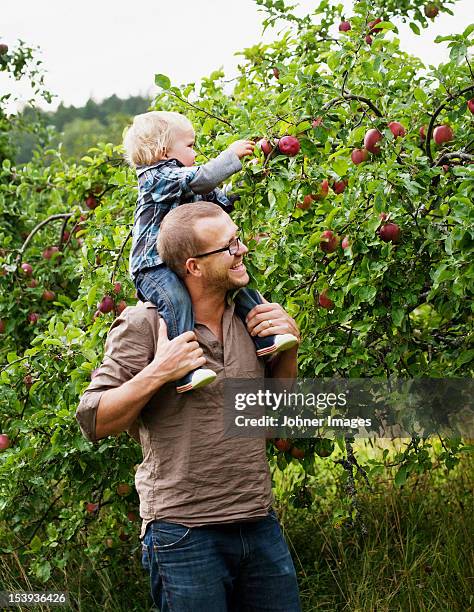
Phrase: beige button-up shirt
x=191 y=473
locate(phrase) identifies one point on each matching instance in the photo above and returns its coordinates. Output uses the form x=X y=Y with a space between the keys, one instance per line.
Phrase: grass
x=418 y=555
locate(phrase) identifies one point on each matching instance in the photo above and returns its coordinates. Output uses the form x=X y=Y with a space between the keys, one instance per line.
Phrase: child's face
x=182 y=147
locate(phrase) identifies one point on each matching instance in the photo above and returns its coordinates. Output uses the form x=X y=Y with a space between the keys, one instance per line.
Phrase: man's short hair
x=177 y=239
x=151 y=134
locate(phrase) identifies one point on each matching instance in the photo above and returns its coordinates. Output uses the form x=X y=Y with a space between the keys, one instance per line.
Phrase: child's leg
x=163 y=287
x=245 y=300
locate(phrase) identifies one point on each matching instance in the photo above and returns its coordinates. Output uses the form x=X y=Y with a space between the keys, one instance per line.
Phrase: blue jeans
x=166 y=290
x=241 y=567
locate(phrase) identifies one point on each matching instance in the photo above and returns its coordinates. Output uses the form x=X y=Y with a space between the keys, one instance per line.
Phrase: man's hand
x=268 y=319
x=242 y=148
x=175 y=358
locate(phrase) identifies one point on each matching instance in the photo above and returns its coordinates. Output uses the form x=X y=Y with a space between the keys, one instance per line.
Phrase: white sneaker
x=196 y=379
x=282 y=343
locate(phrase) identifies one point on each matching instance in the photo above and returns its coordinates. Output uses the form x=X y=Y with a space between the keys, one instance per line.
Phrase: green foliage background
x=400 y=310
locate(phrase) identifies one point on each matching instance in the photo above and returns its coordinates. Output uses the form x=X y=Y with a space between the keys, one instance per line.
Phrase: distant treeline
x=76 y=129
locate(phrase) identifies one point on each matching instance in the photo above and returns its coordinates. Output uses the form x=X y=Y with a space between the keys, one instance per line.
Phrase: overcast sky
x=101 y=47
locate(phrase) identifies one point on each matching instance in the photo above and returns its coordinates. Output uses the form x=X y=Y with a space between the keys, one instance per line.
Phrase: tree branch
x=436 y=113
x=36 y=229
x=201 y=110
x=348 y=96
x=456 y=155
x=120 y=253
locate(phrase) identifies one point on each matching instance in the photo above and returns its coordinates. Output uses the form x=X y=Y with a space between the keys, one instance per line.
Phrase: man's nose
x=242 y=248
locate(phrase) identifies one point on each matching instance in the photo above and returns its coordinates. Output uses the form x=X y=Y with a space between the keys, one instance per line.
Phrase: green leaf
x=465 y=357
x=340 y=166
x=401 y=476
x=397 y=316
x=162 y=81
x=415 y=28
x=419 y=94
x=43 y=571
x=36 y=544
x=386 y=25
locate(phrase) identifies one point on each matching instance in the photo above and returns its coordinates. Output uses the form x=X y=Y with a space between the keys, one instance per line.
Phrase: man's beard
x=222 y=280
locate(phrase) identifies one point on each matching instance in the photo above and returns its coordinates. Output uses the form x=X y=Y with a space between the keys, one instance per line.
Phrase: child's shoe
x=196 y=379
x=277 y=343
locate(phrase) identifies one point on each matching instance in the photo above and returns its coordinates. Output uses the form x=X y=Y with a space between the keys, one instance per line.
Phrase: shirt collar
x=163 y=162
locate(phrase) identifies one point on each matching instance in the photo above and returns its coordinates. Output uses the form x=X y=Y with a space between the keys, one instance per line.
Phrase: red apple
x=106 y=304
x=289 y=145
x=423 y=132
x=123 y=536
x=297 y=453
x=371 y=139
x=132 y=517
x=265 y=146
x=431 y=10
x=66 y=235
x=371 y=25
x=33 y=317
x=117 y=288
x=33 y=283
x=91 y=508
x=276 y=72
x=346 y=243
x=389 y=232
x=2 y=326
x=442 y=134
x=4 y=442
x=27 y=269
x=339 y=186
x=368 y=39
x=3 y=48
x=282 y=444
x=91 y=202
x=328 y=241
x=383 y=216
x=317 y=122
x=124 y=489
x=48 y=295
x=97 y=313
x=359 y=155
x=50 y=251
x=324 y=301
x=306 y=203
x=344 y=26
x=397 y=129
x=323 y=190
x=121 y=306
x=470 y=105
x=28 y=381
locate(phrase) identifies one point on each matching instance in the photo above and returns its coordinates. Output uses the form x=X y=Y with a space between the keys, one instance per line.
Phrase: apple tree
x=358 y=211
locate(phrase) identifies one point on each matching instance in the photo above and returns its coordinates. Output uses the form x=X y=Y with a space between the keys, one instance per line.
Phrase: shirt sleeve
x=211 y=174
x=129 y=348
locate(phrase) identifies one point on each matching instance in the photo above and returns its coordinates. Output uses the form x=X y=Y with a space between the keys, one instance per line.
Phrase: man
x=211 y=541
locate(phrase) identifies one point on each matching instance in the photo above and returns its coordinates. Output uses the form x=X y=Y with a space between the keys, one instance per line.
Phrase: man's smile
x=239 y=267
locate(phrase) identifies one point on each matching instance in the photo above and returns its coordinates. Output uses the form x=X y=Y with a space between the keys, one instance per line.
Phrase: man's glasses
x=233 y=248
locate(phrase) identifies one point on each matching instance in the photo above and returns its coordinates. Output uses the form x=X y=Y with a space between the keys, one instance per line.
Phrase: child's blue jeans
x=166 y=290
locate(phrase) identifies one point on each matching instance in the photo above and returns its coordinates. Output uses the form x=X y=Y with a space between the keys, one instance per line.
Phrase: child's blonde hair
x=146 y=141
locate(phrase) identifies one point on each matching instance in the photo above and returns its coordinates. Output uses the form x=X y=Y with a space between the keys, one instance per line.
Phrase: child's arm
x=211 y=174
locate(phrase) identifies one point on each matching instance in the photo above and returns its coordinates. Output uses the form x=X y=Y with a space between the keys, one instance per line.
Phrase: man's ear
x=193 y=267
